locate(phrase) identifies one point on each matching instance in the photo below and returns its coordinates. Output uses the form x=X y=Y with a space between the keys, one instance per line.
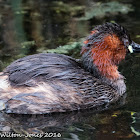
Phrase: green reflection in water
x=45 y=25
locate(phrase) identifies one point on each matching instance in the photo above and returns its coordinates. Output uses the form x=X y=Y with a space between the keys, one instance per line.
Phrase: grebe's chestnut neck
x=106 y=46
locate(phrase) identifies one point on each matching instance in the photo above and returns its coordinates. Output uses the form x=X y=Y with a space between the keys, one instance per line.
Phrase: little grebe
x=45 y=83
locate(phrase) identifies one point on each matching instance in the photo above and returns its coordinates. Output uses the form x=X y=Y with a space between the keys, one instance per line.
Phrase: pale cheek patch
x=130 y=49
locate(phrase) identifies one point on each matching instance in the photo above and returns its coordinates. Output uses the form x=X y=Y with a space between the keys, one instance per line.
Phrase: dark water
x=29 y=26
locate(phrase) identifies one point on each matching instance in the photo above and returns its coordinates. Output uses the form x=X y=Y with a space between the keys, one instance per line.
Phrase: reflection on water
x=29 y=27
x=83 y=125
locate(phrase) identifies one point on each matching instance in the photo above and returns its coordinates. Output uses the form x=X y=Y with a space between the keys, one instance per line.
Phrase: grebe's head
x=105 y=47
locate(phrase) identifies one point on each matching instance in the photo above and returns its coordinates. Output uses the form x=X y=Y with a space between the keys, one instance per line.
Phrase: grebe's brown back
x=45 y=83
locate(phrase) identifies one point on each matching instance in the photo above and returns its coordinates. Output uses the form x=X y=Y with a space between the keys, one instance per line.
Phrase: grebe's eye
x=128 y=45
x=126 y=42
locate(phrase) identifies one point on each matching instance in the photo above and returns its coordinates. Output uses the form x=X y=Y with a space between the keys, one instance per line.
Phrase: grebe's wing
x=34 y=68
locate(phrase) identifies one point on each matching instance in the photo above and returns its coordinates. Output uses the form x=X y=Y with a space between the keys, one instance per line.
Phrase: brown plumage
x=46 y=83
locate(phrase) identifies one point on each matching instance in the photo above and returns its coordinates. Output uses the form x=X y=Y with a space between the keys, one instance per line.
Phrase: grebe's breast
x=45 y=83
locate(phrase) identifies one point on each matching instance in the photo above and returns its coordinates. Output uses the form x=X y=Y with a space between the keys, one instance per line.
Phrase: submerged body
x=45 y=83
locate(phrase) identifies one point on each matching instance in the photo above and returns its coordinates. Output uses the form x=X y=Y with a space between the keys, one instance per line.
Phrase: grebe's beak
x=134 y=47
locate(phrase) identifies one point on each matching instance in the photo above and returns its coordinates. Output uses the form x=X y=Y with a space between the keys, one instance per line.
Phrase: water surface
x=29 y=27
